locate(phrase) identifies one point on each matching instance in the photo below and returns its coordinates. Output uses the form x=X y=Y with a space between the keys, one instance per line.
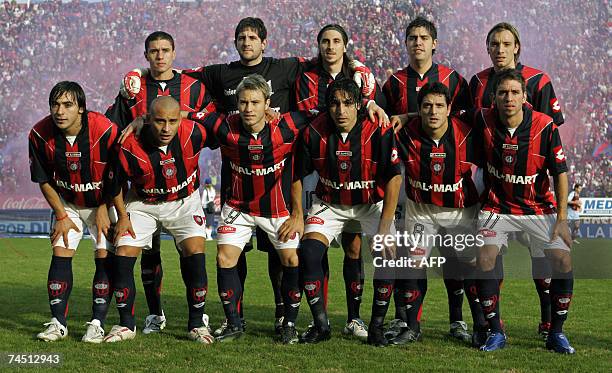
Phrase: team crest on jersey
x=198 y=219
x=256 y=152
x=169 y=170
x=73 y=166
x=344 y=166
x=509 y=156
x=437 y=166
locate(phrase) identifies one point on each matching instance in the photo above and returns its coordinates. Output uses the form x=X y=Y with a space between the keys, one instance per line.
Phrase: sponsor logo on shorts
x=418 y=251
x=488 y=233
x=315 y=220
x=224 y=229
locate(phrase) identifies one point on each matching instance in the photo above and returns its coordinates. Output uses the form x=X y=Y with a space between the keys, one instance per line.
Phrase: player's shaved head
x=164 y=103
x=164 y=118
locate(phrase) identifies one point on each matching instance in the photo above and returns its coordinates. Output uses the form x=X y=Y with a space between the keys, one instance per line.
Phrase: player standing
x=69 y=153
x=192 y=97
x=504 y=48
x=521 y=147
x=401 y=91
x=331 y=64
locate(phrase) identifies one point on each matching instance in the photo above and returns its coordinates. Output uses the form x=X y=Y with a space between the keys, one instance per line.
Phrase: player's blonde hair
x=254 y=82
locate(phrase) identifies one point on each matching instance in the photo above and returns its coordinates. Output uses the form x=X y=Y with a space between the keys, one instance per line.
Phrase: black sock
x=561 y=292
x=353 y=285
x=151 y=273
x=400 y=309
x=101 y=288
x=471 y=292
x=241 y=267
x=124 y=289
x=383 y=288
x=454 y=292
x=454 y=287
x=291 y=294
x=198 y=288
x=423 y=289
x=411 y=299
x=325 y=265
x=275 y=272
x=311 y=254
x=542 y=272
x=59 y=286
x=488 y=294
x=230 y=292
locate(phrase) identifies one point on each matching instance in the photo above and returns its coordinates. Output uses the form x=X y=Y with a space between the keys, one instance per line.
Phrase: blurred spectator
x=95 y=43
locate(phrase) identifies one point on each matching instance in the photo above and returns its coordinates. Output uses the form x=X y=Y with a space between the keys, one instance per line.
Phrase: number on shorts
x=232 y=216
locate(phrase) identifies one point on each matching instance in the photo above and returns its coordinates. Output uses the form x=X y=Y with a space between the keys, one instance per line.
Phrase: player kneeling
x=69 y=153
x=162 y=166
x=359 y=181
x=260 y=155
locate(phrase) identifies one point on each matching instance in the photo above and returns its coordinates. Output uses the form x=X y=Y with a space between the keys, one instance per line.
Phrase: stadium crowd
x=96 y=43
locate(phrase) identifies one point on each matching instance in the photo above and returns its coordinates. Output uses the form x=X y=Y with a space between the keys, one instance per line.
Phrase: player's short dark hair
x=505 y=26
x=426 y=24
x=577 y=185
x=509 y=74
x=254 y=82
x=71 y=88
x=335 y=27
x=435 y=88
x=348 y=86
x=252 y=23
x=158 y=35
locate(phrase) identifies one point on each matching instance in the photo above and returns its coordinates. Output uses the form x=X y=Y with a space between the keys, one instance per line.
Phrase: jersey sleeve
x=208 y=125
x=38 y=171
x=546 y=101
x=462 y=101
x=303 y=159
x=119 y=112
x=475 y=146
x=389 y=158
x=392 y=95
x=555 y=156
x=117 y=175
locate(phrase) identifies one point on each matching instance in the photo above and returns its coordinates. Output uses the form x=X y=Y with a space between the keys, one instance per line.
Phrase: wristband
x=62 y=218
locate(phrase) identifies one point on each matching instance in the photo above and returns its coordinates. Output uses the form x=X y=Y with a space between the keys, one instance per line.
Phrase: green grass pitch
x=24 y=308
